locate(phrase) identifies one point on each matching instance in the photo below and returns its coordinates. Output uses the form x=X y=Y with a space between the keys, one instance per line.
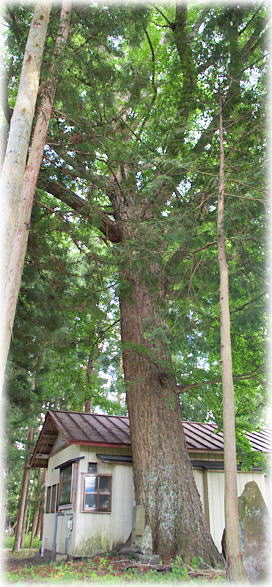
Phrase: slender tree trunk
x=235 y=569
x=38 y=533
x=163 y=476
x=41 y=525
x=18 y=243
x=26 y=509
x=34 y=523
x=29 y=516
x=23 y=494
x=16 y=153
x=44 y=112
x=36 y=509
x=32 y=498
x=42 y=502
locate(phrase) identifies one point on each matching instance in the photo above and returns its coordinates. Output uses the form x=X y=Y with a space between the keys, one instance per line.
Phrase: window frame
x=97 y=493
x=92 y=465
x=48 y=499
x=66 y=504
x=54 y=498
x=51 y=500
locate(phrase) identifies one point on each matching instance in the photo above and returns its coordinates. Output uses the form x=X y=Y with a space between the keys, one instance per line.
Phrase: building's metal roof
x=102 y=430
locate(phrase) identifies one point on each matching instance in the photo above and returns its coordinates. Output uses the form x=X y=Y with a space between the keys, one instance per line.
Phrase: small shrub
x=102 y=562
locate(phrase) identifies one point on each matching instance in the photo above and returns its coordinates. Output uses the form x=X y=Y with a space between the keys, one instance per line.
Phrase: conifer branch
x=183 y=387
x=170 y=24
x=248 y=303
x=108 y=227
x=142 y=125
x=182 y=253
x=249 y=21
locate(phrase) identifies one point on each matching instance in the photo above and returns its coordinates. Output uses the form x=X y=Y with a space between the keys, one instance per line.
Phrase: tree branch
x=99 y=337
x=170 y=24
x=249 y=21
x=182 y=253
x=231 y=93
x=248 y=303
x=152 y=81
x=182 y=388
x=108 y=227
x=250 y=44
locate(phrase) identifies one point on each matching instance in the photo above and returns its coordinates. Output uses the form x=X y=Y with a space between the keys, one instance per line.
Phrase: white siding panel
x=70 y=452
x=198 y=475
x=122 y=503
x=48 y=530
x=98 y=532
x=216 y=505
x=268 y=491
x=206 y=456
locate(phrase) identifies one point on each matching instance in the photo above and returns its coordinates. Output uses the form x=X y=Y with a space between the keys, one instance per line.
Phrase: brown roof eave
x=42 y=433
x=37 y=465
x=58 y=425
x=218 y=451
x=106 y=444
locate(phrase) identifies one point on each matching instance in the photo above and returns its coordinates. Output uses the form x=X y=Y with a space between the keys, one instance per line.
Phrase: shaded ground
x=33 y=558
x=34 y=568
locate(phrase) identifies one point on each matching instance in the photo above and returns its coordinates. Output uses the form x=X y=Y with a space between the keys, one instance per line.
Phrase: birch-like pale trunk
x=22 y=222
x=235 y=568
x=13 y=169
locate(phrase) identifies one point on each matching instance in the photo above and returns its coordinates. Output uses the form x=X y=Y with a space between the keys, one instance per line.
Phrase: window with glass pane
x=92 y=467
x=65 y=485
x=48 y=498
x=97 y=493
x=53 y=499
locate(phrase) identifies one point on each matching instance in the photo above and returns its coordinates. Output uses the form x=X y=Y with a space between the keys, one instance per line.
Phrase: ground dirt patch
x=108 y=568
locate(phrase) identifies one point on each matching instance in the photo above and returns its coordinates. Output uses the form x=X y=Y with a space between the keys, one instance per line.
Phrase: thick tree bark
x=23 y=495
x=235 y=569
x=16 y=154
x=164 y=482
x=163 y=476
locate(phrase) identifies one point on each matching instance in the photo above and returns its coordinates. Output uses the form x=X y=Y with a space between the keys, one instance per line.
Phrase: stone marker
x=254 y=520
x=138 y=525
x=140 y=545
x=254 y=523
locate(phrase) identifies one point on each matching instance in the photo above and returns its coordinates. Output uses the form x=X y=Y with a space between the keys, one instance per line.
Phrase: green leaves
x=135 y=123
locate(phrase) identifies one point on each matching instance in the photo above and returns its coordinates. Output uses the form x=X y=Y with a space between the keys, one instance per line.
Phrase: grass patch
x=9 y=542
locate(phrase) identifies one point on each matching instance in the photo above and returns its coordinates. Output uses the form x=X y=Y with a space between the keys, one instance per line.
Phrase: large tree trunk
x=164 y=482
x=235 y=569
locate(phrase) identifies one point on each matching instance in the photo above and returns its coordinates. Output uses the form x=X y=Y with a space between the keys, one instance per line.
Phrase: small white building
x=90 y=492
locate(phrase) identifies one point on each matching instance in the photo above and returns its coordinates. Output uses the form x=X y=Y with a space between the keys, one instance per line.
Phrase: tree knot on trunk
x=163 y=378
